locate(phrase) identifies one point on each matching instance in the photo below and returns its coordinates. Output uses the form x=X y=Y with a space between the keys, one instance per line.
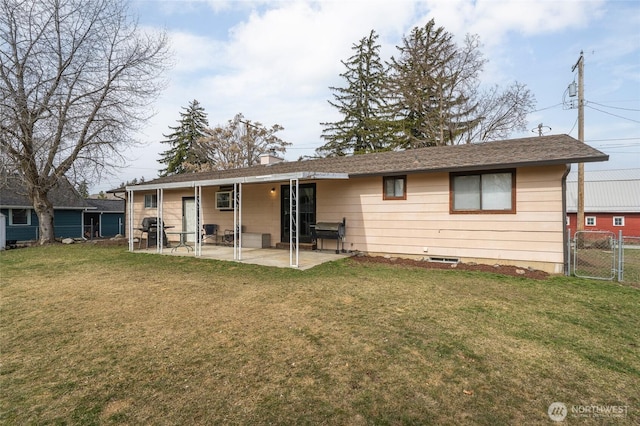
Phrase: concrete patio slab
x=266 y=257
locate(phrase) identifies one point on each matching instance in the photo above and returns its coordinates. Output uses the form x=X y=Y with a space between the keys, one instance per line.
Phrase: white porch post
x=199 y=219
x=237 y=221
x=294 y=217
x=159 y=221
x=130 y=218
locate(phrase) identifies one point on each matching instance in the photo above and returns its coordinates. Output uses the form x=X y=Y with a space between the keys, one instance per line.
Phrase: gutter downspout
x=565 y=240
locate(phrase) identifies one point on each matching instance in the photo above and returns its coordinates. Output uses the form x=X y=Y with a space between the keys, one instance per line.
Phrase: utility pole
x=580 y=66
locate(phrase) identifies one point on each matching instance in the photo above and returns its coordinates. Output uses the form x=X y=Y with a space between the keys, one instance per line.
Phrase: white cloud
x=274 y=61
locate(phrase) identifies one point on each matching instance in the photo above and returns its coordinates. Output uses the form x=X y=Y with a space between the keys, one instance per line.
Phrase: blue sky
x=274 y=62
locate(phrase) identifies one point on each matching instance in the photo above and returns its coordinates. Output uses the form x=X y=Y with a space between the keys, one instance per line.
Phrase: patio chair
x=227 y=238
x=210 y=230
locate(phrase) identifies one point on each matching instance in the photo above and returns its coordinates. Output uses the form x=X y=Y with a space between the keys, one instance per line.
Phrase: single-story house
x=611 y=201
x=22 y=221
x=494 y=202
x=73 y=214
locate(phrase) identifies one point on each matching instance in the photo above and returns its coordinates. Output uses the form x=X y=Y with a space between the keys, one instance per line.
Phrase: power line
x=608 y=106
x=614 y=115
x=614 y=139
x=549 y=107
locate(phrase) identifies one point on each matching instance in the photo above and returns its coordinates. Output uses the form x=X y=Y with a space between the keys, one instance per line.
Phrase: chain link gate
x=600 y=255
x=594 y=255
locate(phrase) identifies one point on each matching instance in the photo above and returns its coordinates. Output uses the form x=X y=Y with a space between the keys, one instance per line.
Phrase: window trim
x=452 y=177
x=621 y=220
x=586 y=221
x=154 y=205
x=28 y=214
x=404 y=187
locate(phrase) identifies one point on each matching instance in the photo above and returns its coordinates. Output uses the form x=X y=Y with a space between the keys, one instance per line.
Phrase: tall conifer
x=181 y=157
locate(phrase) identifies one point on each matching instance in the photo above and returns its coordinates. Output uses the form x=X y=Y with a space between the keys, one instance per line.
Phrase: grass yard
x=98 y=335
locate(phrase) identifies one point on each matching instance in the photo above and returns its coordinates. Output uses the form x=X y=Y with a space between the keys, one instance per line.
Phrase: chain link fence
x=603 y=255
x=630 y=260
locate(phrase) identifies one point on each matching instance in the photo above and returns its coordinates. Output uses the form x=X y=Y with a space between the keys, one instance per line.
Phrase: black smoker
x=330 y=231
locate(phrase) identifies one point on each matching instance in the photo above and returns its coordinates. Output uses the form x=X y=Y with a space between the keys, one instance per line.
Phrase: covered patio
x=236 y=250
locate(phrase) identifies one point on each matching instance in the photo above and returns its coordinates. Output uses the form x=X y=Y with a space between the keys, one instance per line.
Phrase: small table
x=183 y=240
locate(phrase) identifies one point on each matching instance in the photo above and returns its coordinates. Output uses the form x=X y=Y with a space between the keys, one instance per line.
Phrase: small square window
x=150 y=201
x=590 y=221
x=20 y=217
x=618 y=221
x=394 y=188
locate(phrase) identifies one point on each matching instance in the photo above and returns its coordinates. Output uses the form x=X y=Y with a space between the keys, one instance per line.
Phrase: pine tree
x=363 y=127
x=432 y=84
x=181 y=157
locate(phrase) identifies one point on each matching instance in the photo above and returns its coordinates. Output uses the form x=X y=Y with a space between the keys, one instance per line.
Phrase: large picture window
x=394 y=188
x=486 y=192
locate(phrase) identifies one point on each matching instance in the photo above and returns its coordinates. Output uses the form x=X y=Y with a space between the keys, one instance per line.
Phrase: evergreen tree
x=429 y=95
x=181 y=156
x=83 y=189
x=363 y=127
x=432 y=84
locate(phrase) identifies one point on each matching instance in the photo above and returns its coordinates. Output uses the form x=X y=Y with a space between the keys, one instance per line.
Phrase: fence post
x=620 y=256
x=568 y=272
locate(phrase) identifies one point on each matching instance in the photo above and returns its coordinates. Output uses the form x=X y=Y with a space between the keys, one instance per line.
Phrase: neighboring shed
x=22 y=220
x=611 y=201
x=106 y=218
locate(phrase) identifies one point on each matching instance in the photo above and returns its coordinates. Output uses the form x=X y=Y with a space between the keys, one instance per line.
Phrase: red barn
x=611 y=201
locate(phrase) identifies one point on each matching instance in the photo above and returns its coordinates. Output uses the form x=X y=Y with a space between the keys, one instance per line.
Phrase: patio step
x=301 y=246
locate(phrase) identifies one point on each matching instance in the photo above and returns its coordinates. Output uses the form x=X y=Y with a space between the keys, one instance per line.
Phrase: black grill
x=329 y=231
x=150 y=226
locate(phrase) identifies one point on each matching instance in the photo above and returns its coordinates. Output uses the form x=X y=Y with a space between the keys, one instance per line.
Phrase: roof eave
x=241 y=179
x=490 y=166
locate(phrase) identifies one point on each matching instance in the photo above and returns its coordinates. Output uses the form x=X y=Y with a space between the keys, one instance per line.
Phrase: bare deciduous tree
x=239 y=144
x=76 y=81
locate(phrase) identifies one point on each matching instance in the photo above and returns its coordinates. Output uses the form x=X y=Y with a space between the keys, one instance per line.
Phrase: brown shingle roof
x=542 y=150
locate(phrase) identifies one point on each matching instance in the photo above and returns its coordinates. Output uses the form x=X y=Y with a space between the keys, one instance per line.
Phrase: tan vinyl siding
x=534 y=234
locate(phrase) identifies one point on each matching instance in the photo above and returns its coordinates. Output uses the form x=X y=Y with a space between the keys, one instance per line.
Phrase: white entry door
x=189 y=218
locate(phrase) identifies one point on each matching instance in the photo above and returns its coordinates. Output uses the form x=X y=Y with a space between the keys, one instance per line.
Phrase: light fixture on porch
x=273 y=190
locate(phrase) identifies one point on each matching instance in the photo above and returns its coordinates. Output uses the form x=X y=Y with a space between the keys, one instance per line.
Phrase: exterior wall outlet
x=425 y=249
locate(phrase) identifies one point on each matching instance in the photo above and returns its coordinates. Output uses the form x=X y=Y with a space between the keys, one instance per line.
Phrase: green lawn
x=98 y=335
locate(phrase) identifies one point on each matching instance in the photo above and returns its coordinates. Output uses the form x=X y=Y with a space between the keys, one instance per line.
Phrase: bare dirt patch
x=513 y=271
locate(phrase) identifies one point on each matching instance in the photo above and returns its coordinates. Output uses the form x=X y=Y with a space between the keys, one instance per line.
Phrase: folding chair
x=210 y=230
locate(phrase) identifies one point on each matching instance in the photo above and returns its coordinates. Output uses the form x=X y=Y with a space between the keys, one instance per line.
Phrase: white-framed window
x=590 y=221
x=618 y=221
x=224 y=200
x=484 y=192
x=394 y=188
x=20 y=217
x=150 y=201
x=567 y=220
